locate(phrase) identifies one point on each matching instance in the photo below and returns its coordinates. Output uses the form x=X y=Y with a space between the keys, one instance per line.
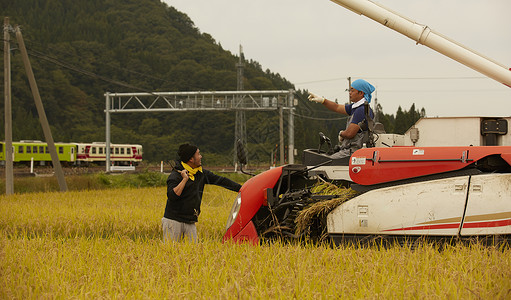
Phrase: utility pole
x=240 y=130
x=107 y=134
x=291 y=127
x=349 y=88
x=9 y=176
x=281 y=134
x=376 y=106
x=59 y=173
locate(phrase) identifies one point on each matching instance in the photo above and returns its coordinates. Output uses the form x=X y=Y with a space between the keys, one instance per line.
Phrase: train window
x=128 y=150
x=93 y=150
x=122 y=150
x=111 y=150
x=1 y=147
x=116 y=150
x=41 y=149
x=20 y=149
x=29 y=149
x=101 y=150
x=46 y=149
x=34 y=149
x=61 y=150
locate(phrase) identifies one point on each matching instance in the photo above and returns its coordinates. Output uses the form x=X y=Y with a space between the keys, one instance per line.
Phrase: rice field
x=107 y=244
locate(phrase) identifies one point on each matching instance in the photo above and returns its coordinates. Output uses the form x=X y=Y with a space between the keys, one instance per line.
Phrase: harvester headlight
x=234 y=211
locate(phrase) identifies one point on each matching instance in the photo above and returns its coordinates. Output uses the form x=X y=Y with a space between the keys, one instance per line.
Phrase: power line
x=447 y=91
x=396 y=78
x=67 y=53
x=50 y=47
x=69 y=66
x=427 y=78
x=319 y=119
x=72 y=67
x=83 y=71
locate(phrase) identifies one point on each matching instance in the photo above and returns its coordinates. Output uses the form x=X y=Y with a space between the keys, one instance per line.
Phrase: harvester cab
x=337 y=168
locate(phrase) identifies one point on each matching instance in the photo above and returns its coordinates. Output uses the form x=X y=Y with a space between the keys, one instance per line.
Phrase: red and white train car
x=120 y=154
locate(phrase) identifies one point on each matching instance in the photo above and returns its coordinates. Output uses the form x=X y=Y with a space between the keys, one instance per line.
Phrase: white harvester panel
x=456 y=131
x=462 y=131
x=425 y=208
x=335 y=172
x=390 y=140
x=489 y=205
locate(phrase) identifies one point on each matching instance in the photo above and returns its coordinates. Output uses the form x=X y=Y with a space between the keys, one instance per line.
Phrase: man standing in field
x=185 y=186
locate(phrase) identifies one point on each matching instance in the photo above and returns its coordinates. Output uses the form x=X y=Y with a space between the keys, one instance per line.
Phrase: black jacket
x=186 y=208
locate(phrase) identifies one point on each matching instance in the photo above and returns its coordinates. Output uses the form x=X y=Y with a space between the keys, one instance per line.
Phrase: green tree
x=405 y=119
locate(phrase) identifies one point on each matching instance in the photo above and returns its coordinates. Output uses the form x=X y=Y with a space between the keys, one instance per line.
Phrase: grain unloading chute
x=424 y=35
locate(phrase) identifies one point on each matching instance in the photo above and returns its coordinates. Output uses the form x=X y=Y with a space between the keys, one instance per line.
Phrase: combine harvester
x=406 y=188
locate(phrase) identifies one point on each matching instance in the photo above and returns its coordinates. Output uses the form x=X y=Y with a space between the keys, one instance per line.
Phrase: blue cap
x=363 y=86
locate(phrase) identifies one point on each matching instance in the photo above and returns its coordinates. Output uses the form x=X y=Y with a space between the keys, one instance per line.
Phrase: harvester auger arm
x=424 y=35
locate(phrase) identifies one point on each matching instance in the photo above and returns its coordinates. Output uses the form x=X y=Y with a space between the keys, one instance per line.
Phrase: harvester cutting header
x=397 y=188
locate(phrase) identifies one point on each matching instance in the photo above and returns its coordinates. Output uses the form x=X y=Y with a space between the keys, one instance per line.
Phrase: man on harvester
x=355 y=135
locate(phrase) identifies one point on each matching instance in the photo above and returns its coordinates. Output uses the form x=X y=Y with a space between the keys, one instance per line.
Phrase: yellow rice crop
x=322 y=208
x=107 y=244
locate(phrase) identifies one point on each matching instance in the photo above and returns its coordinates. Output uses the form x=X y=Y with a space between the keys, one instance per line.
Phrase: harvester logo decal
x=418 y=152
x=358 y=161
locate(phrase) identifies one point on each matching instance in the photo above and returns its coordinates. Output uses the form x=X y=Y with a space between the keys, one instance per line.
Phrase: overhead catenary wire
x=72 y=67
x=91 y=74
x=319 y=119
x=395 y=78
x=69 y=66
x=67 y=53
x=123 y=84
x=85 y=72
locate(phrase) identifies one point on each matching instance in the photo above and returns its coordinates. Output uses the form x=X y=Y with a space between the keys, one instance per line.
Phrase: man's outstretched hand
x=315 y=98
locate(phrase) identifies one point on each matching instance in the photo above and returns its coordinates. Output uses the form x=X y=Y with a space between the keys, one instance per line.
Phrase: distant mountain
x=81 y=49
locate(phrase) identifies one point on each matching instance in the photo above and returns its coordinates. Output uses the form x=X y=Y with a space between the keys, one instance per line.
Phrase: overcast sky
x=317 y=44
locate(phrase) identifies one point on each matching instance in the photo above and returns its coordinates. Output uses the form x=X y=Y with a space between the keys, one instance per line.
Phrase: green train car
x=74 y=153
x=25 y=151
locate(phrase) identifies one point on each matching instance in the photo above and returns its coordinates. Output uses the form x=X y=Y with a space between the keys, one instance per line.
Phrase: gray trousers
x=341 y=154
x=175 y=231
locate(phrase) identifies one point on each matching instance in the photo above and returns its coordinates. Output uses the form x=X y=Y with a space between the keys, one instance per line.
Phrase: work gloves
x=314 y=98
x=340 y=137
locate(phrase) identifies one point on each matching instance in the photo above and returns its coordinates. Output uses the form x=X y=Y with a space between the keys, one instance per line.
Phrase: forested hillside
x=81 y=49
